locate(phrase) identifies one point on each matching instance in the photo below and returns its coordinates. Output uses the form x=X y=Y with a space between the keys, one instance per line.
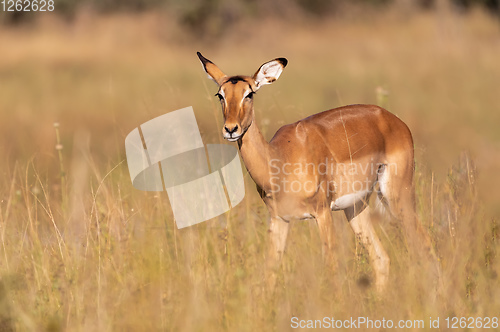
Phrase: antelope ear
x=269 y=72
x=211 y=69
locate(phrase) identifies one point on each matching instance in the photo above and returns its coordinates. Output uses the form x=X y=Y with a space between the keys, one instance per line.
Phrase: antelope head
x=236 y=94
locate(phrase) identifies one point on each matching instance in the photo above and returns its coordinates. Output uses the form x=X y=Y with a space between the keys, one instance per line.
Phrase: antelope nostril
x=231 y=130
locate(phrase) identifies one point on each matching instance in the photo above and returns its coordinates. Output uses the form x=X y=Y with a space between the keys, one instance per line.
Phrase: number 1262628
x=27 y=5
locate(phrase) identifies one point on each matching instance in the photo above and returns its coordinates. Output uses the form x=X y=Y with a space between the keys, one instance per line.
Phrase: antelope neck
x=257 y=155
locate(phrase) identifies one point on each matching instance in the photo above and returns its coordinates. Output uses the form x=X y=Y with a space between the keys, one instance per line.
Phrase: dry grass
x=85 y=251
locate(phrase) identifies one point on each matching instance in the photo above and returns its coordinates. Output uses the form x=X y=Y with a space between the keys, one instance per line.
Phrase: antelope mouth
x=233 y=139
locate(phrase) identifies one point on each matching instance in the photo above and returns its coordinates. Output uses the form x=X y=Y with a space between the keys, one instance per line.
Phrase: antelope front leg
x=278 y=232
x=325 y=224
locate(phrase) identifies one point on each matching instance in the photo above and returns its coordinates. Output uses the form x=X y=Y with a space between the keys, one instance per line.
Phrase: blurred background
x=81 y=247
x=104 y=66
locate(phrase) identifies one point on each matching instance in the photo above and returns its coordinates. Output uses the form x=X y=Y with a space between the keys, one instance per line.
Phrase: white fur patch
x=268 y=73
x=348 y=200
x=247 y=92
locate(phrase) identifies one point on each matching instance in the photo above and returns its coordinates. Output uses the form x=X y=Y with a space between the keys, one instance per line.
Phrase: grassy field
x=82 y=250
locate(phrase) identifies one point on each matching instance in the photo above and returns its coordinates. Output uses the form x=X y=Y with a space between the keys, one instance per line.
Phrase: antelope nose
x=231 y=130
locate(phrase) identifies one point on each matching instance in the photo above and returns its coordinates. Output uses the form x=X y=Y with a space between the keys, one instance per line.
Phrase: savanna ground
x=82 y=250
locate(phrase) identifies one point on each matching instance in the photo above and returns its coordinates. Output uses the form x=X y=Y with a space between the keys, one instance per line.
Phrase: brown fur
x=363 y=136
